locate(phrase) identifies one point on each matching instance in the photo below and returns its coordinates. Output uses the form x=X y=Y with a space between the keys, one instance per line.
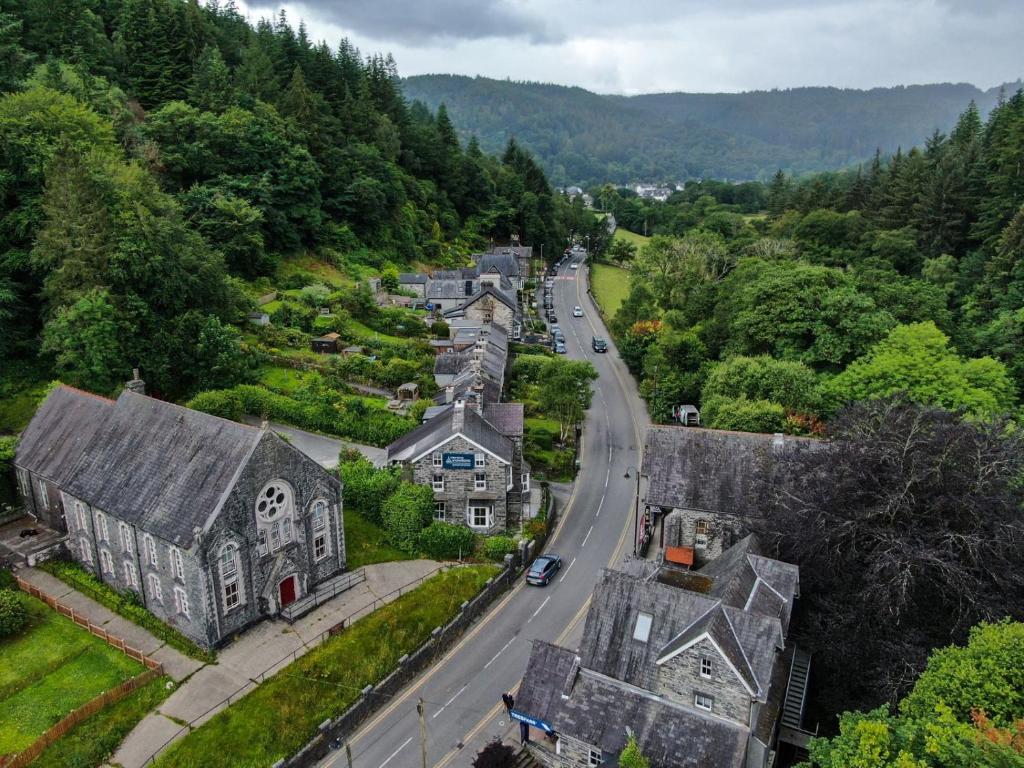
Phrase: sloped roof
x=709 y=469
x=60 y=431
x=161 y=466
x=451 y=362
x=506 y=417
x=717 y=626
x=412 y=278
x=504 y=262
x=440 y=428
x=486 y=290
x=454 y=288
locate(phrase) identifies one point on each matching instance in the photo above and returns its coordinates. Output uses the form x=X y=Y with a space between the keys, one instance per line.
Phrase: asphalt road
x=462 y=692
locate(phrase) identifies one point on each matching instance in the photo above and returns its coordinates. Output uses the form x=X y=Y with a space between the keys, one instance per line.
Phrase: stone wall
x=679 y=679
x=681 y=527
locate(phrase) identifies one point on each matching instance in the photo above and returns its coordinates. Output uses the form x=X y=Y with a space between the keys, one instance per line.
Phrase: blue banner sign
x=546 y=727
x=458 y=461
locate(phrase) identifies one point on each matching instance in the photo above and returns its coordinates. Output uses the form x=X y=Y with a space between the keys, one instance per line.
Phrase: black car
x=543 y=570
x=599 y=344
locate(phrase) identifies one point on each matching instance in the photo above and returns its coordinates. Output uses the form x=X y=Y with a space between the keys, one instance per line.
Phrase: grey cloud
x=425 y=22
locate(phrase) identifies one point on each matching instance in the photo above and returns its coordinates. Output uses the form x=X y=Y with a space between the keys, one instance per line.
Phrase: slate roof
x=484 y=291
x=412 y=278
x=709 y=469
x=427 y=436
x=504 y=261
x=450 y=363
x=596 y=710
x=62 y=428
x=506 y=417
x=450 y=288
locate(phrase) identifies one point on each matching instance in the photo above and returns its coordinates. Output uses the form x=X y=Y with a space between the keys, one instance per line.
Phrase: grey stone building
x=414 y=282
x=693 y=663
x=701 y=479
x=491 y=306
x=472 y=458
x=214 y=525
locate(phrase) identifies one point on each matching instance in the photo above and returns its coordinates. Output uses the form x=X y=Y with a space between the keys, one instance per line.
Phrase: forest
x=157 y=154
x=583 y=137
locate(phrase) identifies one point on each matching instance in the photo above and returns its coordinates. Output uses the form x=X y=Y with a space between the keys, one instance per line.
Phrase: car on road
x=574 y=265
x=599 y=344
x=543 y=569
x=559 y=347
x=552 y=318
x=555 y=330
x=577 y=311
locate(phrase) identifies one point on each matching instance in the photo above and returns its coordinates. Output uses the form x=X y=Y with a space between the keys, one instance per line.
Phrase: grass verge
x=75 y=576
x=282 y=714
x=630 y=237
x=49 y=669
x=610 y=286
x=365 y=543
x=95 y=740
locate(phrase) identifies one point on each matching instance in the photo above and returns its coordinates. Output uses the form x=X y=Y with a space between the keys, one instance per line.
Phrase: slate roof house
x=491 y=305
x=701 y=478
x=693 y=663
x=415 y=282
x=214 y=525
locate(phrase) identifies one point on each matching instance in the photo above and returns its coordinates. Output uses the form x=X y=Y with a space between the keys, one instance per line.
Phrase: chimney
x=136 y=385
x=449 y=393
x=459 y=416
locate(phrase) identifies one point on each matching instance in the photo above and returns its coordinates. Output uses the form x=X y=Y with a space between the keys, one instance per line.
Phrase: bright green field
x=630 y=237
x=50 y=669
x=610 y=286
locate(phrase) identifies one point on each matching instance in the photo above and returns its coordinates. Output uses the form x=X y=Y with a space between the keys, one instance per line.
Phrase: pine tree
x=211 y=89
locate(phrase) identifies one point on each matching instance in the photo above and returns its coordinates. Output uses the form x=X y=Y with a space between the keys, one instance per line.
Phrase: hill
x=586 y=137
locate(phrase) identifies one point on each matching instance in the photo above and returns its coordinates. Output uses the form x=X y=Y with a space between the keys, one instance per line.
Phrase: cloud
x=428 y=22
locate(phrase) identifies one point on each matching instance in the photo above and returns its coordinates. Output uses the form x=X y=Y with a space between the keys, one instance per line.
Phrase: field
x=630 y=237
x=50 y=669
x=327 y=680
x=610 y=286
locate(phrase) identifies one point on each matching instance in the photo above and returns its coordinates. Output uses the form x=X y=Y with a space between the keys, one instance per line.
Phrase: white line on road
x=495 y=656
x=601 y=504
x=588 y=535
x=539 y=607
x=453 y=698
x=564 y=574
x=393 y=754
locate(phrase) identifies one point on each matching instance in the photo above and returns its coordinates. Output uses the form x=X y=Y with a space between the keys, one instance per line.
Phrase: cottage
x=445 y=294
x=213 y=525
x=696 y=668
x=326 y=344
x=702 y=479
x=413 y=282
x=491 y=306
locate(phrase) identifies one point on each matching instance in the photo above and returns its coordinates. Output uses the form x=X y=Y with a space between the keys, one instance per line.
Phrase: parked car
x=555 y=330
x=559 y=347
x=599 y=344
x=552 y=318
x=577 y=311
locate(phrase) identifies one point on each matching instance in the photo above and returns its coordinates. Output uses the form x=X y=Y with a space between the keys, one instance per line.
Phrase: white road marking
x=601 y=504
x=566 y=571
x=453 y=698
x=495 y=656
x=539 y=607
x=587 y=537
x=395 y=753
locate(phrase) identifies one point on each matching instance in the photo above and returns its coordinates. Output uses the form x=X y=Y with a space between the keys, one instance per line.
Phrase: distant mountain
x=586 y=137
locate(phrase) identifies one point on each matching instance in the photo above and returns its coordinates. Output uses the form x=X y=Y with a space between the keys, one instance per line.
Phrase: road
x=322 y=449
x=462 y=692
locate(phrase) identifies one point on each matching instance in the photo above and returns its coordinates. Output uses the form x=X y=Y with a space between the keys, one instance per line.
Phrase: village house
x=491 y=306
x=699 y=480
x=413 y=282
x=500 y=263
x=444 y=293
x=213 y=525
x=694 y=664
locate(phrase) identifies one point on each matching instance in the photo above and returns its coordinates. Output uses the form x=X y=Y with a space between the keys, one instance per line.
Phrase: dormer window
x=642 y=630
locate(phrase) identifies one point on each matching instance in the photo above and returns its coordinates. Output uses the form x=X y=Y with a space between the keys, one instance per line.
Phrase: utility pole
x=423 y=732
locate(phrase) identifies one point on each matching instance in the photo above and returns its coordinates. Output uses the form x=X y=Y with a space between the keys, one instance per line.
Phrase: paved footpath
x=256 y=650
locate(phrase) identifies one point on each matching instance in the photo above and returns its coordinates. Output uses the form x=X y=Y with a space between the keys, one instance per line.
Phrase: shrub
x=446 y=541
x=219 y=402
x=440 y=329
x=366 y=488
x=7 y=579
x=535 y=529
x=13 y=615
x=405 y=513
x=496 y=547
x=495 y=755
x=744 y=415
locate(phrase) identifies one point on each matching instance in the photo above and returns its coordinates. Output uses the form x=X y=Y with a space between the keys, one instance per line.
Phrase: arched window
x=231 y=584
x=275 y=513
x=321 y=525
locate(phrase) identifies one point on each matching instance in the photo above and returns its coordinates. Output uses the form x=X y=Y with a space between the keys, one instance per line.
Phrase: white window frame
x=436 y=460
x=642 y=628
x=24 y=483
x=45 y=497
x=80 y=512
x=525 y=481
x=150 y=546
x=177 y=564
x=700 y=541
x=287 y=536
x=181 y=605
x=594 y=758
x=437 y=484
x=126 y=538
x=488 y=516
x=85 y=547
x=440 y=510
x=702 y=527
x=320 y=550
x=232 y=595
x=102 y=531
x=703 y=701
x=480 y=481
x=479 y=460
x=131 y=576
x=106 y=562
x=707 y=666
x=262 y=542
x=318 y=516
x=156 y=589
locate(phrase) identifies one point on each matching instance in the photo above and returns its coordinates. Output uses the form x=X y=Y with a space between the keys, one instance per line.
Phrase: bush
x=440 y=329
x=405 y=513
x=365 y=488
x=446 y=541
x=7 y=580
x=13 y=615
x=744 y=415
x=496 y=547
x=535 y=529
x=220 y=402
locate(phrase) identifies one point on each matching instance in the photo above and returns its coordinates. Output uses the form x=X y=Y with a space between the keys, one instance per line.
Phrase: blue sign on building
x=458 y=460
x=544 y=726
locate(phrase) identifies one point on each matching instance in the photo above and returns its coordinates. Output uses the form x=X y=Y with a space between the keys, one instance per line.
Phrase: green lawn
x=282 y=379
x=50 y=669
x=282 y=714
x=632 y=237
x=610 y=286
x=365 y=543
x=21 y=391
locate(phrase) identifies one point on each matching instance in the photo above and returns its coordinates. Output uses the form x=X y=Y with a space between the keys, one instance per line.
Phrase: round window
x=272 y=502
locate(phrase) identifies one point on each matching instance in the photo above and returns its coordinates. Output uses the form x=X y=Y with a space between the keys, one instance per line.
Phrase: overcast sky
x=642 y=46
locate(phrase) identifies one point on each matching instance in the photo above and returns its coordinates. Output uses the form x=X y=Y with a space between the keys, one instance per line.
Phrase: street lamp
x=636 y=513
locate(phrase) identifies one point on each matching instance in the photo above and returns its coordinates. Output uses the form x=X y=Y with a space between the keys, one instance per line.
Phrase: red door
x=287 y=588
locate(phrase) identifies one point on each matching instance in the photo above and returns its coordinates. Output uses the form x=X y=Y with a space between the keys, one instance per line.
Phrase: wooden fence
x=153 y=670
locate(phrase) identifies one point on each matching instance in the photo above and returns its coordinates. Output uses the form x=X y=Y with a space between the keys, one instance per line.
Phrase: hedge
x=743 y=415
x=496 y=547
x=446 y=541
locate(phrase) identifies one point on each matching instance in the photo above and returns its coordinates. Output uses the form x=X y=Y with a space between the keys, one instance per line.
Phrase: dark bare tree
x=908 y=529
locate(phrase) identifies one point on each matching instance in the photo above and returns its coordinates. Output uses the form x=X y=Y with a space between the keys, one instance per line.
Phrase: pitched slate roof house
x=214 y=525
x=491 y=305
x=694 y=664
x=701 y=479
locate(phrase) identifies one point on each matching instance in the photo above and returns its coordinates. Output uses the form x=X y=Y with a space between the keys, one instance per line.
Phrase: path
x=322 y=449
